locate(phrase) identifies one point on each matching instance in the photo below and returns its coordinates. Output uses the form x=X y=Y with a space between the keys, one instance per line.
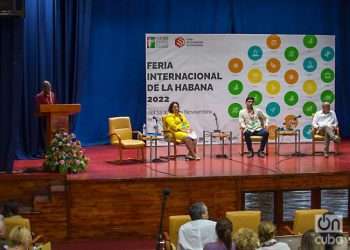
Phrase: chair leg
x=120 y=154
x=267 y=147
x=175 y=151
x=242 y=146
x=313 y=147
x=143 y=153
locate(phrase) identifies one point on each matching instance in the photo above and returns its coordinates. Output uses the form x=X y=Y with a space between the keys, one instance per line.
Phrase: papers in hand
x=193 y=135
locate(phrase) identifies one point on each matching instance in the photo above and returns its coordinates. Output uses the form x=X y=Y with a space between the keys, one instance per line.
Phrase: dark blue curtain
x=56 y=45
x=11 y=73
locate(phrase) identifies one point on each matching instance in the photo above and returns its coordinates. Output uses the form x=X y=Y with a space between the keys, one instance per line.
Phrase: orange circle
x=290 y=122
x=273 y=41
x=272 y=131
x=235 y=65
x=291 y=76
x=273 y=65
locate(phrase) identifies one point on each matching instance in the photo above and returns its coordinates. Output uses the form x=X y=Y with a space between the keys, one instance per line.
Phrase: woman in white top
x=267 y=232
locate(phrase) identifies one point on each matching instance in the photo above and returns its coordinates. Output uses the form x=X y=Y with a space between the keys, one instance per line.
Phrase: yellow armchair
x=244 y=219
x=318 y=137
x=175 y=222
x=121 y=135
x=169 y=136
x=304 y=219
x=255 y=139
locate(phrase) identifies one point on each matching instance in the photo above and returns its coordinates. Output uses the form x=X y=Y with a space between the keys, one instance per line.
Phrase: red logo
x=180 y=42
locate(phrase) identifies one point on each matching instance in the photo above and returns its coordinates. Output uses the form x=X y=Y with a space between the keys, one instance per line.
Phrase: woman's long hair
x=224 y=231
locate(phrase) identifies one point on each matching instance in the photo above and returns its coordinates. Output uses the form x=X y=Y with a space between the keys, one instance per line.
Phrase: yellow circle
x=310 y=87
x=273 y=41
x=235 y=65
x=291 y=76
x=273 y=87
x=255 y=76
x=273 y=65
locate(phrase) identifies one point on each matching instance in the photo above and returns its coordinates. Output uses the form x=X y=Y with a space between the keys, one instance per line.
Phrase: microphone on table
x=156 y=127
x=216 y=122
x=160 y=240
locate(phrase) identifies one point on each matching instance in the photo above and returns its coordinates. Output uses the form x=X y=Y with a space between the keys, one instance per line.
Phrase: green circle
x=235 y=87
x=309 y=108
x=291 y=98
x=233 y=110
x=310 y=41
x=291 y=54
x=257 y=96
x=327 y=75
x=327 y=96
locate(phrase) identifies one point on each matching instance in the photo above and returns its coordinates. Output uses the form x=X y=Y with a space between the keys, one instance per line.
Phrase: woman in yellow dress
x=180 y=127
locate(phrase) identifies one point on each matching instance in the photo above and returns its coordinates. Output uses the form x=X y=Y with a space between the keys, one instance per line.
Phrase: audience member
x=224 y=233
x=10 y=209
x=267 y=233
x=20 y=238
x=246 y=239
x=311 y=241
x=194 y=234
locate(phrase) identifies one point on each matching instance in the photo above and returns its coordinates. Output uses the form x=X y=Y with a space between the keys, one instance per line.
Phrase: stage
x=123 y=201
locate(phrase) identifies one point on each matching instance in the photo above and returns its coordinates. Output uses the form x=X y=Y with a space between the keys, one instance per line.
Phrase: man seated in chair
x=325 y=123
x=194 y=234
x=180 y=128
x=253 y=122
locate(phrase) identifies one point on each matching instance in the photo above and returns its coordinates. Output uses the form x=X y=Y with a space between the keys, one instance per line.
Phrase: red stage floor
x=101 y=168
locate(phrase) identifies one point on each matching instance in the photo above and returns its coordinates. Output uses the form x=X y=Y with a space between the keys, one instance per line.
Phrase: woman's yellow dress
x=177 y=123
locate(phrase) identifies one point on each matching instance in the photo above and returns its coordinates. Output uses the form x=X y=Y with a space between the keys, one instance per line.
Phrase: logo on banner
x=157 y=42
x=180 y=42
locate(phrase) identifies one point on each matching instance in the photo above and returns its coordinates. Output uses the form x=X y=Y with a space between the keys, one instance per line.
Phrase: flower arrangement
x=65 y=154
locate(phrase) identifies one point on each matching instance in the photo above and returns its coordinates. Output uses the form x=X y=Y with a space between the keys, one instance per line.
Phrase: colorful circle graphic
x=257 y=97
x=291 y=76
x=235 y=87
x=273 y=87
x=273 y=109
x=309 y=108
x=290 y=121
x=255 y=53
x=291 y=54
x=307 y=131
x=273 y=65
x=255 y=75
x=235 y=65
x=273 y=41
x=310 y=87
x=233 y=110
x=272 y=131
x=310 y=41
x=327 y=75
x=310 y=64
x=291 y=98
x=327 y=54
x=327 y=96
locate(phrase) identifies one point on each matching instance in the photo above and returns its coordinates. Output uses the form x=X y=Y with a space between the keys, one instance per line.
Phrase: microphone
x=160 y=241
x=217 y=130
x=155 y=118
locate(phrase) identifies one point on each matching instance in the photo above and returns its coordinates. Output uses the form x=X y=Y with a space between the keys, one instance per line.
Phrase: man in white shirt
x=253 y=122
x=325 y=122
x=194 y=234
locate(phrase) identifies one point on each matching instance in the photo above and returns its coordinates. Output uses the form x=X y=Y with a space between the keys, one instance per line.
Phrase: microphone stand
x=160 y=239
x=217 y=130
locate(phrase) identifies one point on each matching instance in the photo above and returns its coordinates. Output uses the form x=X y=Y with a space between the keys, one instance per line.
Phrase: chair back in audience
x=17 y=220
x=305 y=219
x=244 y=219
x=46 y=246
x=175 y=222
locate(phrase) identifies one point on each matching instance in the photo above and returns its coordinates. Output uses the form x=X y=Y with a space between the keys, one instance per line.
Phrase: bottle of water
x=144 y=129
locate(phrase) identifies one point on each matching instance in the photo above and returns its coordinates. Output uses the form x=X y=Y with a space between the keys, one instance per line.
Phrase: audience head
x=311 y=241
x=10 y=208
x=21 y=236
x=266 y=231
x=224 y=232
x=198 y=211
x=174 y=107
x=326 y=107
x=46 y=86
x=249 y=101
x=246 y=239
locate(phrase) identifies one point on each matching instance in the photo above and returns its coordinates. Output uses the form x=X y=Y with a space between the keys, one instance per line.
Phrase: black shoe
x=261 y=154
x=250 y=154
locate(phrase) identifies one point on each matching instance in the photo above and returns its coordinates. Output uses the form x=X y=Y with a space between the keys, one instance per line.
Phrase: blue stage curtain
x=11 y=73
x=56 y=45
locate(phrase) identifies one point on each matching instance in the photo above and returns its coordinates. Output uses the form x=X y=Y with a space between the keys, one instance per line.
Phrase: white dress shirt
x=274 y=245
x=193 y=235
x=324 y=120
x=252 y=121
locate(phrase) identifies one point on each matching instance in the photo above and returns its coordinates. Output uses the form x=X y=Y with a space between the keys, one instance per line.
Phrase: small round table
x=222 y=135
x=280 y=133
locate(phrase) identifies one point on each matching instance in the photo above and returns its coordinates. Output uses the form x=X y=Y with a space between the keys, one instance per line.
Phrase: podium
x=57 y=117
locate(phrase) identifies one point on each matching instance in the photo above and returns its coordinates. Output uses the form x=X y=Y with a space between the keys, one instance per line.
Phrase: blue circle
x=255 y=53
x=307 y=131
x=273 y=109
x=310 y=64
x=327 y=54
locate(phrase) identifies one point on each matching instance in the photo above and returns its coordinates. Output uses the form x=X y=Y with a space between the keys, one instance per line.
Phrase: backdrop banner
x=288 y=75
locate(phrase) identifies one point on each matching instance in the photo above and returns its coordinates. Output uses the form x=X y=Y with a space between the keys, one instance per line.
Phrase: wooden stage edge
x=129 y=208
